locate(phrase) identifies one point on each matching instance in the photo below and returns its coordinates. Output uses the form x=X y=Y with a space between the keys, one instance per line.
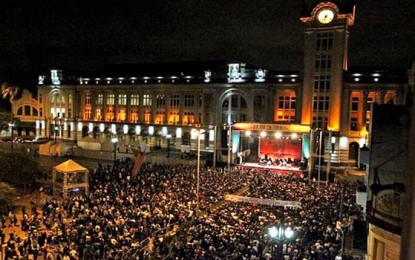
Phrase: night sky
x=74 y=35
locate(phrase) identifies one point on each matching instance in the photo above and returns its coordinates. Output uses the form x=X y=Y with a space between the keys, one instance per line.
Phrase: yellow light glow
x=248 y=133
x=263 y=134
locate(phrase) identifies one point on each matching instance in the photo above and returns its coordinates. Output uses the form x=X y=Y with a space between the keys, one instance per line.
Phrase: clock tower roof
x=345 y=6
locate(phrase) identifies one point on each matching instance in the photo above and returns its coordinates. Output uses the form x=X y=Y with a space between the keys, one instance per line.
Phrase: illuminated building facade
x=325 y=101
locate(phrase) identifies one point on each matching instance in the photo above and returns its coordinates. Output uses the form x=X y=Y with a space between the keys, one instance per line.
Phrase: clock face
x=325 y=16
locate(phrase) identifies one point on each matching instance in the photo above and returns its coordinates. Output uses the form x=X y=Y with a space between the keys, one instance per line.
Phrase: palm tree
x=9 y=91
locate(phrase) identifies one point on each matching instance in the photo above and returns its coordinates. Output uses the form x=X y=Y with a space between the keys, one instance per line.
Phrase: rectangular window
x=110 y=99
x=353 y=124
x=69 y=112
x=161 y=101
x=286 y=108
x=98 y=114
x=135 y=100
x=174 y=101
x=87 y=99
x=147 y=100
x=100 y=99
x=122 y=99
x=355 y=104
x=189 y=100
x=40 y=111
x=87 y=113
x=70 y=99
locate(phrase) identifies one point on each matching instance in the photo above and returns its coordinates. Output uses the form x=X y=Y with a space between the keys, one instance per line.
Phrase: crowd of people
x=154 y=216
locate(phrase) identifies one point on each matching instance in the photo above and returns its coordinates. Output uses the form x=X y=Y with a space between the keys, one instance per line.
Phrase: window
x=161 y=101
x=100 y=99
x=69 y=112
x=98 y=114
x=87 y=99
x=355 y=104
x=110 y=99
x=27 y=110
x=135 y=100
x=147 y=100
x=110 y=114
x=122 y=99
x=134 y=115
x=70 y=99
x=20 y=111
x=323 y=61
x=41 y=111
x=286 y=108
x=322 y=84
x=189 y=100
x=174 y=101
x=87 y=113
x=324 y=41
x=321 y=103
x=34 y=110
x=353 y=124
x=259 y=101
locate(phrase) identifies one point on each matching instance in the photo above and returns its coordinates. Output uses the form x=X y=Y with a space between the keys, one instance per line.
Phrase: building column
x=364 y=109
x=298 y=97
x=345 y=112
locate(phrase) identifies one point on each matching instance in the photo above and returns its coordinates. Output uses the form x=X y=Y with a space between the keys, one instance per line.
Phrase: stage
x=274 y=168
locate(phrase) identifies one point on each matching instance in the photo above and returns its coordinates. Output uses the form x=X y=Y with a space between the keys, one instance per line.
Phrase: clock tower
x=325 y=58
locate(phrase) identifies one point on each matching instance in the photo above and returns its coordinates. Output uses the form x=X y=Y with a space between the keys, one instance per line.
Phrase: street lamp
x=168 y=137
x=114 y=143
x=11 y=135
x=280 y=233
x=56 y=132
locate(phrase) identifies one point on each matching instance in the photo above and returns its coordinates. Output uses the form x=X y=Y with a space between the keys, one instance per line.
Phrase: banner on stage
x=269 y=202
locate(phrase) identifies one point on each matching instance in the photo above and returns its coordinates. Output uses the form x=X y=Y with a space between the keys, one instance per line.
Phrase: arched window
x=20 y=111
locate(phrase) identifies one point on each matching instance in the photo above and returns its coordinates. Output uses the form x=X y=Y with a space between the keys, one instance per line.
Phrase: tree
x=7 y=193
x=18 y=168
x=9 y=91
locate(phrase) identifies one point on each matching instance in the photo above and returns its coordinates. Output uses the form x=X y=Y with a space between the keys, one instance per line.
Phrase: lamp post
x=11 y=136
x=168 y=137
x=56 y=132
x=280 y=233
x=229 y=126
x=198 y=173
x=114 y=143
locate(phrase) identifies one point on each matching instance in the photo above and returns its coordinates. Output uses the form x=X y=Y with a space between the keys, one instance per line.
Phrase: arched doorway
x=353 y=150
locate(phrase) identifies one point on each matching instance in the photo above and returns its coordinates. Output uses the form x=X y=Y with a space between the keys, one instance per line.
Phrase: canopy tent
x=69 y=178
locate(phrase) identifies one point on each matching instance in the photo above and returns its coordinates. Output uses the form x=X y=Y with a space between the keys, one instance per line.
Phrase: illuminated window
x=135 y=100
x=286 y=108
x=109 y=115
x=160 y=101
x=174 y=101
x=110 y=99
x=174 y=118
x=100 y=99
x=122 y=99
x=87 y=99
x=98 y=114
x=189 y=100
x=87 y=115
x=188 y=118
x=70 y=99
x=134 y=116
x=319 y=122
x=147 y=100
x=122 y=115
x=147 y=117
x=159 y=117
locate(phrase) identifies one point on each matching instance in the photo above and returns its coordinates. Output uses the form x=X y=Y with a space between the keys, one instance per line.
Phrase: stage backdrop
x=280 y=148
